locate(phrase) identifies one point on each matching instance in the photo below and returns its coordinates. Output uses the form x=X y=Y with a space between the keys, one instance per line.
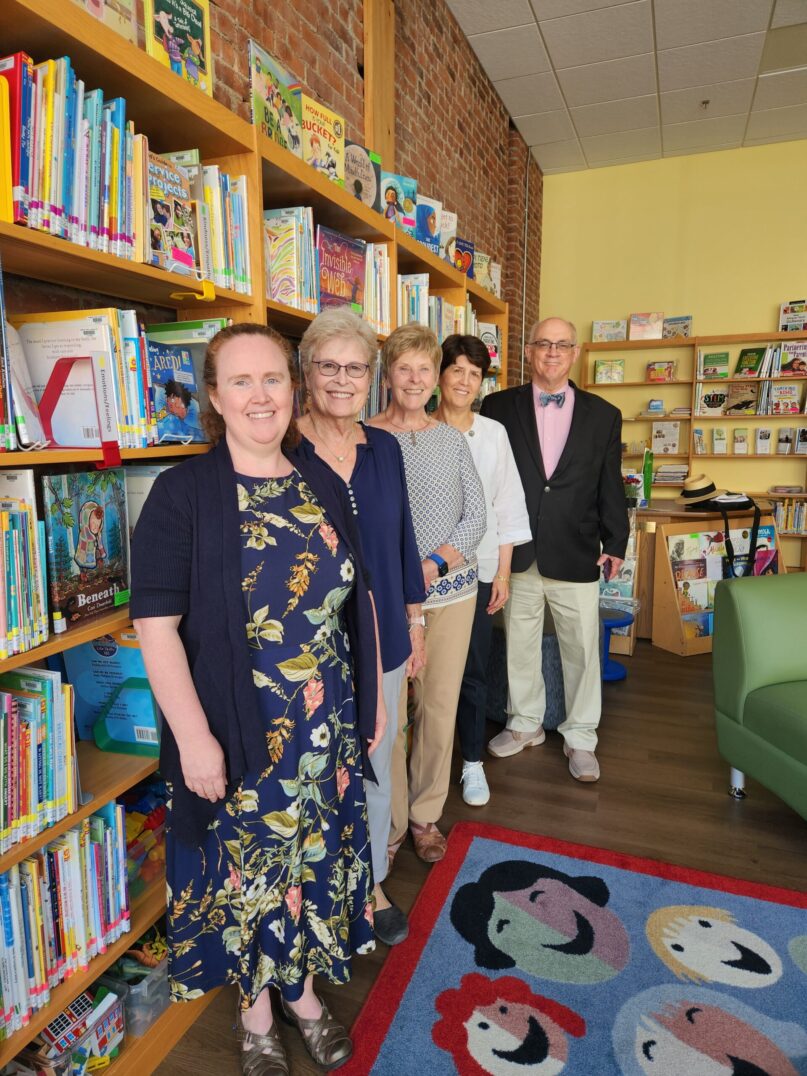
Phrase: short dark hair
x=474 y=350
x=173 y=388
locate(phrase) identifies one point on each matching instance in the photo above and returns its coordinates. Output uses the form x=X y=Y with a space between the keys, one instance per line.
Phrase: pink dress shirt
x=553 y=424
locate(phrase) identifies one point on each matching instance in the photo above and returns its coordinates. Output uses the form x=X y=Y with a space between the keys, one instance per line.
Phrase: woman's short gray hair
x=337 y=323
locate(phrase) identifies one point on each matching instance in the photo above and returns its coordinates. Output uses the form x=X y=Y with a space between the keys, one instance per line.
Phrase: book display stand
x=173 y=114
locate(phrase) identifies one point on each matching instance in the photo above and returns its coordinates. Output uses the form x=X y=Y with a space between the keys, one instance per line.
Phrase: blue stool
x=616 y=618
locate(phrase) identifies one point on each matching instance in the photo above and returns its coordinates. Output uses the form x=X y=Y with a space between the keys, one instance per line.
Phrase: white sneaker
x=475 y=789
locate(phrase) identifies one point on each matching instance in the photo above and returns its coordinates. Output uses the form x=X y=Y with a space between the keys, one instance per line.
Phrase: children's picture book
x=464 y=256
x=740 y=441
x=749 y=361
x=666 y=438
x=172 y=226
x=711 y=400
x=140 y=477
x=714 y=364
x=785 y=436
x=399 y=195
x=111 y=687
x=697 y=625
x=699 y=441
x=428 y=213
x=176 y=399
x=794 y=358
x=609 y=371
x=482 y=270
x=646 y=326
x=602 y=331
x=793 y=316
x=448 y=235
x=801 y=441
x=785 y=399
x=118 y=14
x=662 y=371
x=488 y=333
x=742 y=399
x=341 y=269
x=323 y=139
x=763 y=441
x=689 y=569
x=681 y=325
x=275 y=100
x=27 y=425
x=693 y=595
x=719 y=442
x=363 y=174
x=496 y=279
x=178 y=35
x=87 y=542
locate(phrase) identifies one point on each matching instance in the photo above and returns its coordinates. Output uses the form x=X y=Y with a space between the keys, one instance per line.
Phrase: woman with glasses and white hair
x=338 y=352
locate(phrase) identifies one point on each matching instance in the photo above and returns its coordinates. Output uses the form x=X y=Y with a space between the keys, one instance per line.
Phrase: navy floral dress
x=282 y=885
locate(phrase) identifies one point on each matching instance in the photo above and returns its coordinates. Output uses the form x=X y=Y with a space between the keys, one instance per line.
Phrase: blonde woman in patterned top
x=449 y=514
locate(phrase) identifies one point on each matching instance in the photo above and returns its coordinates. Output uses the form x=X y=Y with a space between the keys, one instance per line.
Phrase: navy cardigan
x=186 y=562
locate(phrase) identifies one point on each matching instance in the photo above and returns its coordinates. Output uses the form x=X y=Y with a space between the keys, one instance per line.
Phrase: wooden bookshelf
x=146 y=910
x=50 y=456
x=140 y=1056
x=75 y=636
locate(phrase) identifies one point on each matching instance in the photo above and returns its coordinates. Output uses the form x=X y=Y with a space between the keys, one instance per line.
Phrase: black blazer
x=580 y=511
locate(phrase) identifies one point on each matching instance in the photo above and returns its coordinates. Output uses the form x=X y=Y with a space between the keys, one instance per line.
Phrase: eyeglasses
x=356 y=370
x=547 y=345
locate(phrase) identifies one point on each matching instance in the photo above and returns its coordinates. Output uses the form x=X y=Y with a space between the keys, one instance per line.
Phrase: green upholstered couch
x=760 y=682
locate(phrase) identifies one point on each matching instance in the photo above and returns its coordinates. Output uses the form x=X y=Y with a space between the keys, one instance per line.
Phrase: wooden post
x=379 y=79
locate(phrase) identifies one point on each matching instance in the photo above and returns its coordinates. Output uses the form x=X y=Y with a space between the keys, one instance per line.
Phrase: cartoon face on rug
x=683 y=1030
x=498 y=1027
x=706 y=945
x=545 y=922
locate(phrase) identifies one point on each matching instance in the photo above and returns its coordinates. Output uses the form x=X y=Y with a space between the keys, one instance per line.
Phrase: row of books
x=787 y=439
x=37 y=753
x=748 y=398
x=444 y=318
x=644 y=326
x=61 y=906
x=787 y=359
x=790 y=516
x=612 y=371
x=670 y=474
x=315 y=133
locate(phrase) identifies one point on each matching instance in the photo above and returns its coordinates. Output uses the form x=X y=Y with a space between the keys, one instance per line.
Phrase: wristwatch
x=442 y=566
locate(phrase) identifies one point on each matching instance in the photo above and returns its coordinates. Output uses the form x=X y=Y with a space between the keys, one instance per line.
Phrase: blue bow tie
x=556 y=397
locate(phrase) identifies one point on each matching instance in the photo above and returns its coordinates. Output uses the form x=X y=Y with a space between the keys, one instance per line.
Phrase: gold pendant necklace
x=408 y=429
x=336 y=456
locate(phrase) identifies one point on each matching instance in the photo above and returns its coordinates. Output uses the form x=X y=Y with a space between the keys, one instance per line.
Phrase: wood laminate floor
x=662 y=794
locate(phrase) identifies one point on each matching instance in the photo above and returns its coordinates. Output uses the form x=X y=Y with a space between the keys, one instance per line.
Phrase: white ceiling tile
x=480 y=16
x=778 y=121
x=546 y=127
x=614 y=80
x=780 y=89
x=728 y=60
x=789 y=12
x=509 y=53
x=560 y=154
x=700 y=149
x=530 y=93
x=773 y=138
x=625 y=160
x=687 y=22
x=557 y=9
x=785 y=47
x=725 y=99
x=722 y=130
x=557 y=171
x=607 y=34
x=612 y=147
x=616 y=115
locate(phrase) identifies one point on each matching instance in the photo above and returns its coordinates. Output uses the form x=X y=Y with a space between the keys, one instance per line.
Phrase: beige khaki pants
x=436 y=690
x=576 y=612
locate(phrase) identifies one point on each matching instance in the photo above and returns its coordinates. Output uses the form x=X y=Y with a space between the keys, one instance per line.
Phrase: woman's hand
x=417 y=659
x=380 y=725
x=430 y=573
x=499 y=593
x=202 y=762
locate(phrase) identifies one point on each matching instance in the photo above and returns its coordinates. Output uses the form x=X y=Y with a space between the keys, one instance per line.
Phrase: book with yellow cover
x=6 y=200
x=178 y=35
x=324 y=140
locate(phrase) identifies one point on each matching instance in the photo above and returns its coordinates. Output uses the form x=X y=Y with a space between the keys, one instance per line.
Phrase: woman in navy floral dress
x=276 y=886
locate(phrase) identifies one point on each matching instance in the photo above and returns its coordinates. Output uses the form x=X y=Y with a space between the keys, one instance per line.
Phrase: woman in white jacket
x=465 y=363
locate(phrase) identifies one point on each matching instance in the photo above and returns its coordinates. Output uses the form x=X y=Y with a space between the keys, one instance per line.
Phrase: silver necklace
x=336 y=456
x=408 y=429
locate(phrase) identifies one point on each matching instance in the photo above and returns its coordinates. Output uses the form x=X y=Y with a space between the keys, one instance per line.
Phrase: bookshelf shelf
x=48 y=456
x=287 y=319
x=748 y=456
x=635 y=384
x=747 y=418
x=88 y=631
x=140 y=1056
x=161 y=104
x=146 y=909
x=484 y=301
x=728 y=380
x=104 y=775
x=413 y=257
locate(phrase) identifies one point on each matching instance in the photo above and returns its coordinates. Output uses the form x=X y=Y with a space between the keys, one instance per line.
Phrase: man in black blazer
x=567 y=445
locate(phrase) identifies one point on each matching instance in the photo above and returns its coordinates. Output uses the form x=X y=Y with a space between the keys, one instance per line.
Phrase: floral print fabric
x=281 y=886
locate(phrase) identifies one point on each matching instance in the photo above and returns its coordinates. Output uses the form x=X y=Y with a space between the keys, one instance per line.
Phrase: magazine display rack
x=668 y=626
x=173 y=115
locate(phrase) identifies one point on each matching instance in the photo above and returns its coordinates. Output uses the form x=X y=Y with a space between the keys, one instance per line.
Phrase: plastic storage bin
x=103 y=1035
x=143 y=1001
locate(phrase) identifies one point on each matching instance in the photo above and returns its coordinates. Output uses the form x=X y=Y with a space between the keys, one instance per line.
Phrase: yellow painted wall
x=721 y=236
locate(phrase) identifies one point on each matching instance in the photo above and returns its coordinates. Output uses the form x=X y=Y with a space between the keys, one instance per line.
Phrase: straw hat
x=698 y=488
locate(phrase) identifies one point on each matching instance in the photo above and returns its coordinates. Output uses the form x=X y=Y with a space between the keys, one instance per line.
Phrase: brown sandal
x=325 y=1039
x=430 y=844
x=264 y=1054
